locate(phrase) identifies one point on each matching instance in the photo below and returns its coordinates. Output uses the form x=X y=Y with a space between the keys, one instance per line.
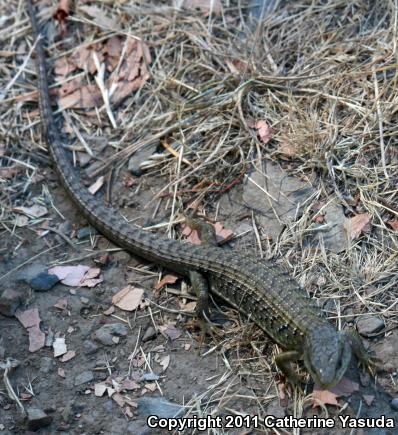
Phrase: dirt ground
x=152 y=361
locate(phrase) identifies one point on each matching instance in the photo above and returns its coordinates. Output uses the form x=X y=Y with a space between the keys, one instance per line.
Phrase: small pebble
x=83 y=378
x=43 y=282
x=369 y=325
x=38 y=419
x=150 y=334
x=89 y=347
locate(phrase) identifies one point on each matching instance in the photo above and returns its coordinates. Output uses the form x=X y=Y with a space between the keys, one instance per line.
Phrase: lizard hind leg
x=367 y=360
x=206 y=230
x=284 y=363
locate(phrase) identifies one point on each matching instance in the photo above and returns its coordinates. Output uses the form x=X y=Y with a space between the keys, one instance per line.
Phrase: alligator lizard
x=259 y=289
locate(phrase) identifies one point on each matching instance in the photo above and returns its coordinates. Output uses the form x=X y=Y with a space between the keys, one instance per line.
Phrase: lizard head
x=327 y=355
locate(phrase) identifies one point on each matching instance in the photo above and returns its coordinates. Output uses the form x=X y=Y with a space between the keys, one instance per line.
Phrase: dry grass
x=322 y=74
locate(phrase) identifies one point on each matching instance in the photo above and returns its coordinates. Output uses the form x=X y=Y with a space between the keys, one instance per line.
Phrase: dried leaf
x=77 y=276
x=118 y=398
x=393 y=224
x=35 y=211
x=61 y=372
x=28 y=318
x=129 y=298
x=99 y=389
x=323 y=397
x=85 y=97
x=264 y=131
x=109 y=311
x=37 y=338
x=167 y=279
x=164 y=362
x=358 y=225
x=129 y=385
x=170 y=331
x=222 y=234
x=287 y=149
x=68 y=356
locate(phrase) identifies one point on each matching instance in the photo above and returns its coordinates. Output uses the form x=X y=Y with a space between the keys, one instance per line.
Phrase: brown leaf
x=85 y=97
x=68 y=356
x=222 y=233
x=37 y=338
x=192 y=235
x=393 y=224
x=358 y=225
x=118 y=398
x=167 y=279
x=264 y=131
x=129 y=298
x=92 y=277
x=70 y=275
x=28 y=318
x=109 y=311
x=35 y=211
x=63 y=66
x=129 y=385
x=345 y=387
x=287 y=149
x=323 y=397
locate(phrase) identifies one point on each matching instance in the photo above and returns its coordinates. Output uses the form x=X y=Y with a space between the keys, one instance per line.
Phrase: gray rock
x=276 y=197
x=89 y=347
x=10 y=301
x=387 y=351
x=83 y=378
x=43 y=281
x=158 y=406
x=275 y=409
x=106 y=333
x=150 y=334
x=139 y=157
x=394 y=404
x=38 y=419
x=149 y=377
x=369 y=325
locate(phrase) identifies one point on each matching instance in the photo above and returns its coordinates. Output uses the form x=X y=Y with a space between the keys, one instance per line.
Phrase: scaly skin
x=259 y=289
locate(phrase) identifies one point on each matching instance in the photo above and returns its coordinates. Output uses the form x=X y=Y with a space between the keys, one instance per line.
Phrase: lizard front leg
x=284 y=363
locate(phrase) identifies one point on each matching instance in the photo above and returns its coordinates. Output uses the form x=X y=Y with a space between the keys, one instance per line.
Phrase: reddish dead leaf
x=129 y=298
x=37 y=338
x=151 y=386
x=344 y=388
x=192 y=235
x=170 y=331
x=237 y=66
x=129 y=385
x=358 y=225
x=62 y=67
x=323 y=397
x=118 y=398
x=167 y=279
x=109 y=311
x=393 y=224
x=25 y=396
x=83 y=57
x=28 y=318
x=222 y=234
x=92 y=277
x=77 y=276
x=95 y=187
x=113 y=49
x=85 y=97
x=61 y=304
x=35 y=211
x=264 y=131
x=68 y=356
x=131 y=402
x=189 y=307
